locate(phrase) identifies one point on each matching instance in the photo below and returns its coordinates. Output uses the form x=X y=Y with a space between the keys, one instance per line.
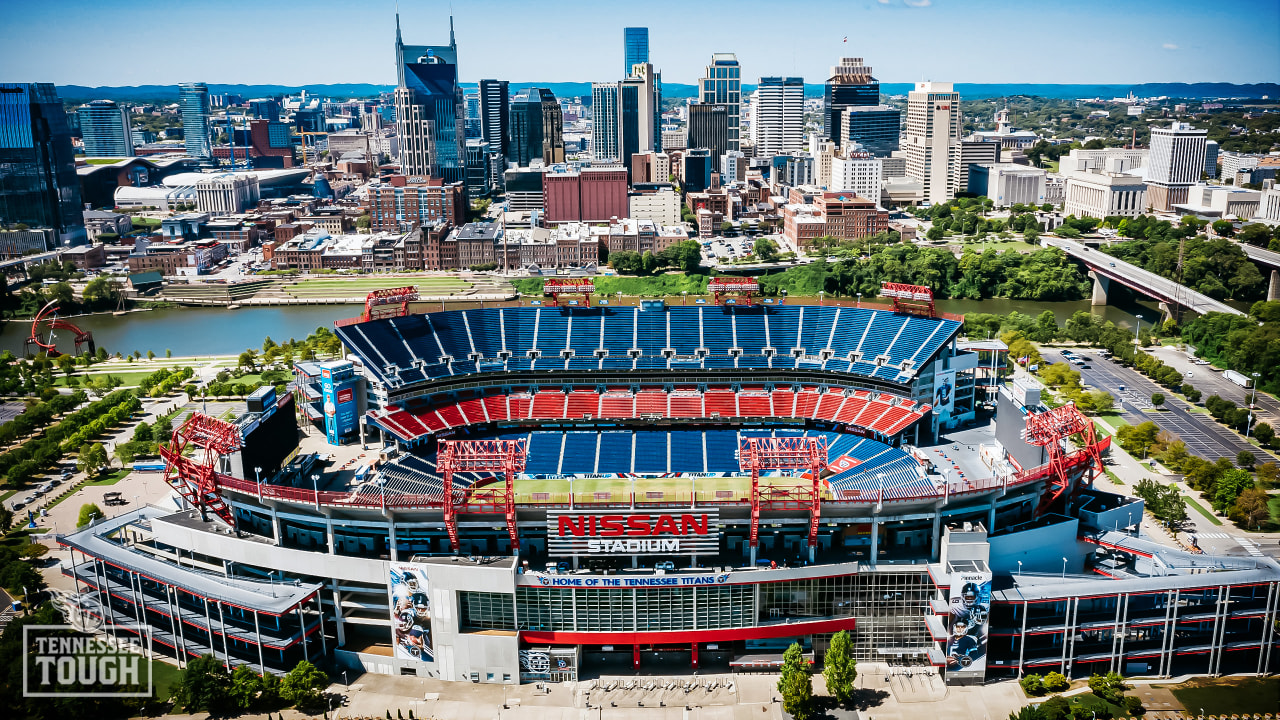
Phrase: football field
x=667 y=489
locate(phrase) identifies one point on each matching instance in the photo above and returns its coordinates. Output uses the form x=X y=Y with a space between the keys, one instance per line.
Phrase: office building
x=1103 y=194
x=699 y=164
x=972 y=152
x=524 y=190
x=471 y=101
x=479 y=172
x=661 y=206
x=1176 y=163
x=635 y=47
x=733 y=167
x=650 y=167
x=1217 y=202
x=265 y=109
x=850 y=85
x=495 y=114
x=38 y=184
x=1007 y=184
x=791 y=170
x=400 y=203
x=193 y=100
x=932 y=139
x=271 y=144
x=830 y=214
x=536 y=127
x=722 y=86
x=858 y=173
x=650 y=107
x=876 y=128
x=1211 y=158
x=1102 y=160
x=709 y=128
x=604 y=122
x=104 y=126
x=430 y=119
x=777 y=116
x=227 y=193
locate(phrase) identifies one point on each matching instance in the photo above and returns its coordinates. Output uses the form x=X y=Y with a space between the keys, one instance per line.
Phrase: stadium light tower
x=784 y=453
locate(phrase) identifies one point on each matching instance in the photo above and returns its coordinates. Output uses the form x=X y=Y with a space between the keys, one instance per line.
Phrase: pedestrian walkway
x=1250 y=546
x=1212 y=535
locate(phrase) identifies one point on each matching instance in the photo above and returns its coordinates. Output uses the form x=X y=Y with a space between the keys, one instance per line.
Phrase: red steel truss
x=195 y=477
x=556 y=287
x=744 y=287
x=389 y=302
x=786 y=453
x=916 y=299
x=1048 y=430
x=504 y=456
x=46 y=322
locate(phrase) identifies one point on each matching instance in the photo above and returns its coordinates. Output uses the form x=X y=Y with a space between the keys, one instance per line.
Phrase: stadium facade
x=563 y=487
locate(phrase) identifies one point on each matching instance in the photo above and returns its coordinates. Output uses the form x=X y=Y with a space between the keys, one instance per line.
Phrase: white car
x=1189 y=374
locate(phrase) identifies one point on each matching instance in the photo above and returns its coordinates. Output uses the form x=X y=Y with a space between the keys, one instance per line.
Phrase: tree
x=1133 y=705
x=205 y=686
x=88 y=512
x=93 y=458
x=6 y=518
x=1032 y=684
x=245 y=688
x=1157 y=399
x=839 y=669
x=303 y=684
x=1056 y=682
x=1224 y=228
x=1056 y=708
x=795 y=685
x=1250 y=508
x=1246 y=459
x=1027 y=712
x=766 y=250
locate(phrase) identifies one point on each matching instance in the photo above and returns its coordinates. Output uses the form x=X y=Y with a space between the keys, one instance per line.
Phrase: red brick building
x=835 y=214
x=589 y=195
x=416 y=200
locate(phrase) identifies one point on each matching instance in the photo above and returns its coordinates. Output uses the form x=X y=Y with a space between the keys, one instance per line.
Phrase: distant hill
x=969 y=91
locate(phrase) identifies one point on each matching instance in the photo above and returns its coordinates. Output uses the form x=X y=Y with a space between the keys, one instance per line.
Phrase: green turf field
x=587 y=490
x=362 y=286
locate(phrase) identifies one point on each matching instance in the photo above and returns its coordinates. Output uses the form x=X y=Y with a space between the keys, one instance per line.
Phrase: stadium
x=560 y=490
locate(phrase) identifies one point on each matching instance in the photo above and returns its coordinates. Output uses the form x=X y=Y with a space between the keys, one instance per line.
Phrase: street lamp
x=257 y=473
x=784 y=297
x=859 y=299
x=1135 y=333
x=821 y=293
x=1064 y=568
x=684 y=297
x=1019 y=568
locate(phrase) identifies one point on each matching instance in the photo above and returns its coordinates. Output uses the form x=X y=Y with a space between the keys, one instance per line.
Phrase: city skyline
x=1160 y=42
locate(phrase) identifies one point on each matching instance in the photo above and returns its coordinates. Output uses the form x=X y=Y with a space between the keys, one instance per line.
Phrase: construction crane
x=304 y=135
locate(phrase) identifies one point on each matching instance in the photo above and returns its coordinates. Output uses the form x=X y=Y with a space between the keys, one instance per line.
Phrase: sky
x=142 y=42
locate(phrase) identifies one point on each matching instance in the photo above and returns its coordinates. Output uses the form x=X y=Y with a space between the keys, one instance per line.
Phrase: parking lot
x=1202 y=434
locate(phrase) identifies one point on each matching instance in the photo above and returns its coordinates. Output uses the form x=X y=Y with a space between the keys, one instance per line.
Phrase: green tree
x=302 y=686
x=245 y=688
x=1224 y=228
x=1056 y=708
x=6 y=518
x=839 y=668
x=88 y=512
x=1056 y=682
x=93 y=459
x=1157 y=399
x=204 y=686
x=1246 y=459
x=795 y=685
x=766 y=250
x=1032 y=684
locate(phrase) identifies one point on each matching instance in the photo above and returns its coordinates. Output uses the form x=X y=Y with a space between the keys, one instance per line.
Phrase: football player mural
x=410 y=612
x=970 y=605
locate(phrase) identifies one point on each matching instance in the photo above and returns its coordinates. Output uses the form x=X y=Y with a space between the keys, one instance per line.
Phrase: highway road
x=1202 y=434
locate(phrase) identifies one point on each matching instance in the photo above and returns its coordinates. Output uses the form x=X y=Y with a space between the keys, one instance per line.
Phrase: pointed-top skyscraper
x=430 y=112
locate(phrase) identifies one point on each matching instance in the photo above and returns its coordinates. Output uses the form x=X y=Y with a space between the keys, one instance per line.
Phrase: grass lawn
x=1226 y=696
x=1273 y=504
x=362 y=286
x=1088 y=702
x=109 y=479
x=1200 y=509
x=651 y=489
x=128 y=378
x=164 y=676
x=665 y=285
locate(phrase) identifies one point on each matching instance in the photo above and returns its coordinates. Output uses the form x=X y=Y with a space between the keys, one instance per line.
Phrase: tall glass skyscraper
x=430 y=112
x=850 y=84
x=537 y=128
x=722 y=85
x=635 y=48
x=38 y=184
x=105 y=129
x=193 y=99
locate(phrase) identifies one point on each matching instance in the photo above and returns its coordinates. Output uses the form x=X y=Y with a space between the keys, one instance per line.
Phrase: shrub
x=1056 y=682
x=1032 y=684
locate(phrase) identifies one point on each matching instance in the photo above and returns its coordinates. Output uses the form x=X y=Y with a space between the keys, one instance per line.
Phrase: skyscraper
x=1176 y=162
x=38 y=183
x=472 y=100
x=850 y=85
x=105 y=129
x=876 y=128
x=537 y=128
x=604 y=121
x=193 y=98
x=932 y=140
x=709 y=128
x=495 y=98
x=430 y=113
x=651 y=106
x=635 y=47
x=722 y=85
x=777 y=116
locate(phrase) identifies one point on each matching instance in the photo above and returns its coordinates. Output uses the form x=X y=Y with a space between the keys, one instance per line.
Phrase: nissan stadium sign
x=675 y=533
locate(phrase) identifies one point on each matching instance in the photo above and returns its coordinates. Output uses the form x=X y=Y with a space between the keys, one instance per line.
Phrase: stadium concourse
x=544 y=490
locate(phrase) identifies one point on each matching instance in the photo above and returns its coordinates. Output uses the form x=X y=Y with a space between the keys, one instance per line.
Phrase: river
x=219 y=331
